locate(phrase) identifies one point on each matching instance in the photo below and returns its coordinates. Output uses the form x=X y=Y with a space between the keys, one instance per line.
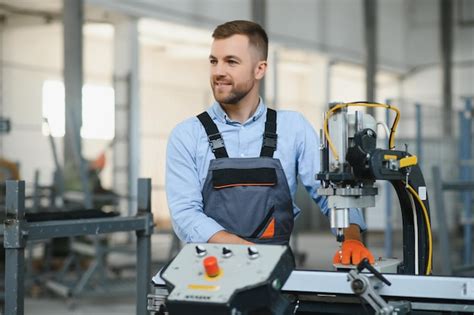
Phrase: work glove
x=352 y=251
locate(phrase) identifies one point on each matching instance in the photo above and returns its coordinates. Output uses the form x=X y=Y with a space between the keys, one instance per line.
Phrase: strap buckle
x=270 y=140
x=216 y=141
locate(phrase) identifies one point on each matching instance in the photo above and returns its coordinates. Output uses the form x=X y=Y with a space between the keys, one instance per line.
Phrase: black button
x=200 y=250
x=226 y=252
x=252 y=251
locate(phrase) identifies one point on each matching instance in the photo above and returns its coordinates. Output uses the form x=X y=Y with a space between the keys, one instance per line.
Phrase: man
x=231 y=172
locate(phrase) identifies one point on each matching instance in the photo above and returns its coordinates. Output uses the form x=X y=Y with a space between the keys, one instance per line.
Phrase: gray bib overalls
x=249 y=197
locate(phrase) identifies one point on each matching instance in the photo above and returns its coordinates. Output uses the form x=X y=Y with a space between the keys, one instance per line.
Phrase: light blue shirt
x=188 y=156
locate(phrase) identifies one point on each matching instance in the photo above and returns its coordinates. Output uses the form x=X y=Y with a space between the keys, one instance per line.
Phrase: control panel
x=221 y=279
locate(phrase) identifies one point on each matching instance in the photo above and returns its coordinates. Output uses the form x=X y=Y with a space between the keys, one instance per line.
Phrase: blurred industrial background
x=91 y=89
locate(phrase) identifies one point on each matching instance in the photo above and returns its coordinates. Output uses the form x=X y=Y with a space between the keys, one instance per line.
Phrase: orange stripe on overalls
x=270 y=230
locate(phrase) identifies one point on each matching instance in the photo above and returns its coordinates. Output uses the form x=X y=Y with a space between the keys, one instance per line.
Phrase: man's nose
x=218 y=70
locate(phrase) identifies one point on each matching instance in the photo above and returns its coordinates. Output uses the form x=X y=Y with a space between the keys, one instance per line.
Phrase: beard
x=234 y=96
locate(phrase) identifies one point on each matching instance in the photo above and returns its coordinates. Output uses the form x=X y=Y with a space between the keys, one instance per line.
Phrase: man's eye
x=232 y=62
x=213 y=62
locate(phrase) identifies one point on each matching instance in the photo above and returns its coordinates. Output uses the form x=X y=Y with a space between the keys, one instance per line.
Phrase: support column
x=419 y=135
x=75 y=168
x=2 y=27
x=388 y=240
x=446 y=31
x=127 y=111
x=259 y=8
x=370 y=23
x=14 y=244
x=329 y=67
x=465 y=156
x=144 y=245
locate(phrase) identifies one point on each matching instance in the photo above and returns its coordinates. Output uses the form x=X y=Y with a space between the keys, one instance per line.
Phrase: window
x=53 y=108
x=98 y=110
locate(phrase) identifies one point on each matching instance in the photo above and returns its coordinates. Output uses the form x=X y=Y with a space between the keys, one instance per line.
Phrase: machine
x=248 y=286
x=351 y=163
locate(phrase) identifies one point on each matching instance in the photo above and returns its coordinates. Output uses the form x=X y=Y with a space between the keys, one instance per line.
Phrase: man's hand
x=353 y=250
x=227 y=238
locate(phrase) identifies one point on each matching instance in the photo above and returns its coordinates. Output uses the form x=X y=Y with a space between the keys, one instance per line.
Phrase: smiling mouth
x=219 y=84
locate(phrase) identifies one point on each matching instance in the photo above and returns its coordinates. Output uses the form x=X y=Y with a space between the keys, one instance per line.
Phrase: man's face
x=234 y=69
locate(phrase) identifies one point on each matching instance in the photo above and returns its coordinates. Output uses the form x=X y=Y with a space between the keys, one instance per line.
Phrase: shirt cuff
x=356 y=217
x=204 y=229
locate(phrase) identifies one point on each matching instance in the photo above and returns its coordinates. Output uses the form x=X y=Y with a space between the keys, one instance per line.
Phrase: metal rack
x=464 y=186
x=18 y=232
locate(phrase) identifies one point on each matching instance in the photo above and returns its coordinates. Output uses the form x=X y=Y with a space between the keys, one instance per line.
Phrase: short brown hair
x=255 y=33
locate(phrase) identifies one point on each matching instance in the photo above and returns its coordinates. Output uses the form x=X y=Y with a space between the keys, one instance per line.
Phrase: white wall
x=172 y=90
x=23 y=76
x=31 y=55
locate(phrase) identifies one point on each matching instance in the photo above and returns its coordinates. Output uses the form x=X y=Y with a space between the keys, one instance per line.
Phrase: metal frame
x=465 y=186
x=17 y=232
x=388 y=240
x=323 y=283
x=330 y=292
x=423 y=287
x=419 y=134
x=446 y=8
x=443 y=233
x=465 y=156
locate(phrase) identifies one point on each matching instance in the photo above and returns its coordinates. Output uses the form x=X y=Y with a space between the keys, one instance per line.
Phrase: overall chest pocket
x=234 y=177
x=242 y=199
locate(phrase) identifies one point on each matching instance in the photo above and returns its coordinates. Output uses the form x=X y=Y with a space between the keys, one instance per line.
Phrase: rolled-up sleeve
x=308 y=157
x=183 y=189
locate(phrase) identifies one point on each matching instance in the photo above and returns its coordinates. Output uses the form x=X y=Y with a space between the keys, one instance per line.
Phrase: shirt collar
x=217 y=112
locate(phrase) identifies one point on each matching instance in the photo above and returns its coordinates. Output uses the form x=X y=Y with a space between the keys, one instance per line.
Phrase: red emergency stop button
x=211 y=267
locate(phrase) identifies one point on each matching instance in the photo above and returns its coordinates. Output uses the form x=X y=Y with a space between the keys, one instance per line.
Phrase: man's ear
x=260 y=69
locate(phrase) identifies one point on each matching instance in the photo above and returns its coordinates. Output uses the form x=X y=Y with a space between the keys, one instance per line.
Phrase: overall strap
x=270 y=136
x=215 y=139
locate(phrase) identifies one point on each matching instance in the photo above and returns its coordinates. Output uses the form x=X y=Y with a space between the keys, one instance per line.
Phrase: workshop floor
x=318 y=249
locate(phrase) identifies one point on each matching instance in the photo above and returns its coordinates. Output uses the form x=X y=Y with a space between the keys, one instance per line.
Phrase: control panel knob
x=253 y=252
x=211 y=266
x=226 y=252
x=200 y=251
